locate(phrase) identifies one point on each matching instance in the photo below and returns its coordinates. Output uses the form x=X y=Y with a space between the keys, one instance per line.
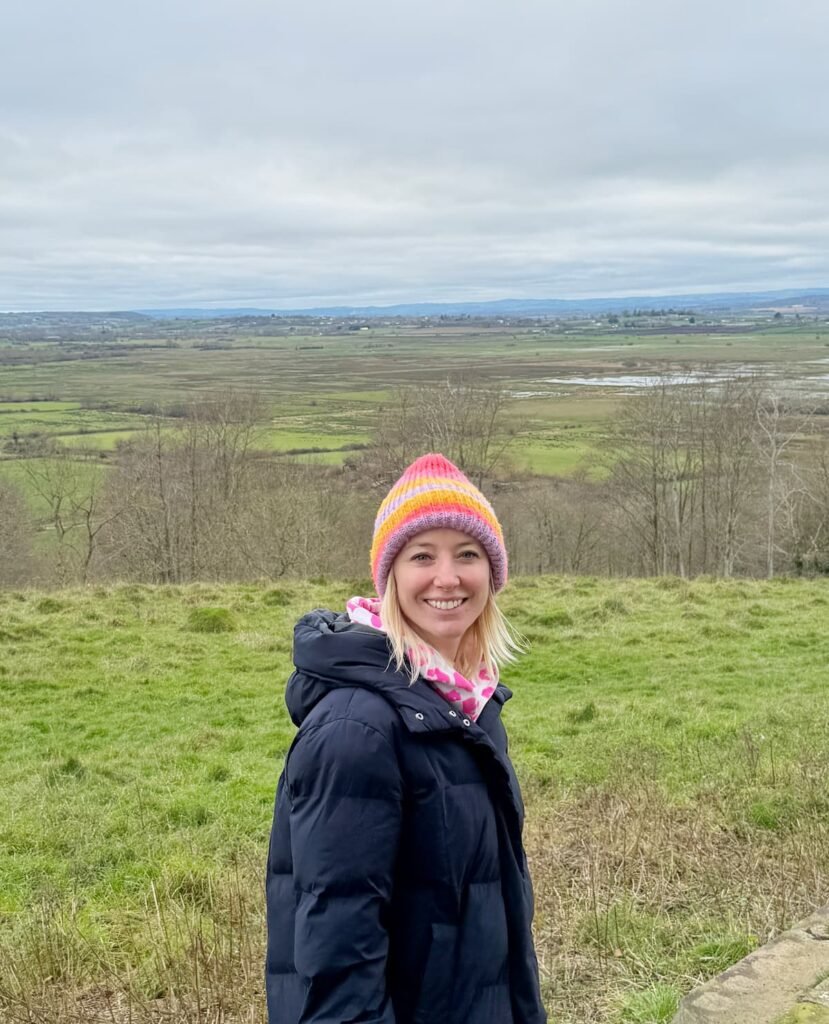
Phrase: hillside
x=670 y=737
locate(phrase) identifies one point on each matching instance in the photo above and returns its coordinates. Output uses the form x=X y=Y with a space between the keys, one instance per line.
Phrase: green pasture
x=69 y=422
x=669 y=735
x=99 y=440
x=289 y=440
x=362 y=363
x=564 y=411
x=326 y=392
x=559 y=435
x=552 y=456
x=335 y=458
x=16 y=472
x=22 y=406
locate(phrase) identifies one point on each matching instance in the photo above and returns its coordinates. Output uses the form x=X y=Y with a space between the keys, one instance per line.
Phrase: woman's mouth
x=445 y=606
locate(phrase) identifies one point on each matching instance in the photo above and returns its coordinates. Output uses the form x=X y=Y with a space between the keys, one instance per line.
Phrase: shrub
x=211 y=620
x=657 y=1004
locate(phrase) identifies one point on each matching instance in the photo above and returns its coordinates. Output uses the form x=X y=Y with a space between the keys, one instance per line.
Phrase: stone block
x=783 y=977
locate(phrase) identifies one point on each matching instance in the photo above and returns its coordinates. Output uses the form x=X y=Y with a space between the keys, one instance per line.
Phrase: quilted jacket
x=397 y=885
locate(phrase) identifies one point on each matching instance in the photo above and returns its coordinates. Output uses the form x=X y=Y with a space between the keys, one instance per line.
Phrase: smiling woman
x=397 y=885
x=441 y=582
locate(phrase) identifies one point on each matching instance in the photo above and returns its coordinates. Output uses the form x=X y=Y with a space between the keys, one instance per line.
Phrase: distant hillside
x=813 y=300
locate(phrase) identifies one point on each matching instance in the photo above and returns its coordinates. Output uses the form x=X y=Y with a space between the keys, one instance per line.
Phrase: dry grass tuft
x=176 y=962
x=631 y=891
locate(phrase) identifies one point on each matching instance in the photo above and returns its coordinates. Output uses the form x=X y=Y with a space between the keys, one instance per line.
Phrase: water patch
x=626 y=381
x=792 y=379
x=647 y=380
x=538 y=394
x=781 y=377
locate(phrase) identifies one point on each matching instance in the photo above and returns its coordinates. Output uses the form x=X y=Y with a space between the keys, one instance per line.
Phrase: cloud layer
x=274 y=154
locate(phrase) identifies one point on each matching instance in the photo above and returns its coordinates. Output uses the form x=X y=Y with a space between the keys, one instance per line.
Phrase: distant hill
x=814 y=299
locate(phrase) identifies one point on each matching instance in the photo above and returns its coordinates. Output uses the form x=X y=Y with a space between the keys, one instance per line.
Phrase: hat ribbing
x=434 y=494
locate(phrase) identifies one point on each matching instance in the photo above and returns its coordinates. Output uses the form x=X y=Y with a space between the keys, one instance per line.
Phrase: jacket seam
x=318 y=726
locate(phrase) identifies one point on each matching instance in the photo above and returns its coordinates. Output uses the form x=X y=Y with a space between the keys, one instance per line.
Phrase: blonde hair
x=490 y=640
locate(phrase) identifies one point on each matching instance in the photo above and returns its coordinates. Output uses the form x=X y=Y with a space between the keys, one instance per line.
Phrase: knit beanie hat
x=434 y=494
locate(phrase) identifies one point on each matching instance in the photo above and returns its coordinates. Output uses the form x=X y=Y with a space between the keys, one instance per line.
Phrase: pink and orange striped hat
x=434 y=494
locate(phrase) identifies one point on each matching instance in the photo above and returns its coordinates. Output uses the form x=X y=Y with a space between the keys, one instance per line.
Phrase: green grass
x=673 y=759
x=62 y=419
x=23 y=406
x=806 y=1013
x=281 y=440
x=656 y=1005
x=101 y=440
x=677 y=673
x=322 y=458
x=325 y=391
x=553 y=457
x=15 y=471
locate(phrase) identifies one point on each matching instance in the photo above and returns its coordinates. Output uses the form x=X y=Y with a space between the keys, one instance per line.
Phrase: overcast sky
x=284 y=153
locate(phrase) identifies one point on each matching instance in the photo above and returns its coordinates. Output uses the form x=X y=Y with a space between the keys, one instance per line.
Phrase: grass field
x=670 y=738
x=326 y=391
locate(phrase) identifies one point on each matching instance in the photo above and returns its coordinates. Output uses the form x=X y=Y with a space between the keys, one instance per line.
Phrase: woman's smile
x=443 y=582
x=444 y=605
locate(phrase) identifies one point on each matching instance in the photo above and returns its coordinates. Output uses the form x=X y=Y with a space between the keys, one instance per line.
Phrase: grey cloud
x=155 y=153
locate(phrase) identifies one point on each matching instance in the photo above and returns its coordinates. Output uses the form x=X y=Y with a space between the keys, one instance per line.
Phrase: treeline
x=705 y=476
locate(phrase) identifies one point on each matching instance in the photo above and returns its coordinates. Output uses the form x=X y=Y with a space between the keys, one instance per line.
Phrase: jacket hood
x=331 y=651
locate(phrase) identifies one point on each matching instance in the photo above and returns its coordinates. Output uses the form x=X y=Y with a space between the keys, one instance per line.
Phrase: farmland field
x=669 y=735
x=325 y=392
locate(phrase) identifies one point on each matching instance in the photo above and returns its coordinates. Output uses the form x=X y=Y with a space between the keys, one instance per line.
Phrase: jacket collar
x=330 y=652
x=424 y=710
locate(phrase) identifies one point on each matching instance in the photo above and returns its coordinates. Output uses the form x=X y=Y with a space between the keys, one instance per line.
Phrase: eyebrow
x=428 y=544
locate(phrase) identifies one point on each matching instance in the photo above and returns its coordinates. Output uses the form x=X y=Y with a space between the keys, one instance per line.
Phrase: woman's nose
x=446 y=575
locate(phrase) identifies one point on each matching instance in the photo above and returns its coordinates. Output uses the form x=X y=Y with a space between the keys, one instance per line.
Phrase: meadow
x=669 y=736
x=325 y=391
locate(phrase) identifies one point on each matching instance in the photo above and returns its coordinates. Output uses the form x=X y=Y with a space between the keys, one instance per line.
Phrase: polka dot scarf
x=467 y=695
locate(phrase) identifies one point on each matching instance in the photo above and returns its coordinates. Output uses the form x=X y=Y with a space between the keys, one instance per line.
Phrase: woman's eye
x=420 y=556
x=470 y=554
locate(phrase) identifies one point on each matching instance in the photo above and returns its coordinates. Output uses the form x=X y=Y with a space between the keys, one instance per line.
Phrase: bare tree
x=226 y=427
x=811 y=552
x=461 y=418
x=194 y=487
x=554 y=526
x=654 y=470
x=775 y=434
x=724 y=433
x=150 y=540
x=396 y=441
x=70 y=488
x=16 y=535
x=299 y=521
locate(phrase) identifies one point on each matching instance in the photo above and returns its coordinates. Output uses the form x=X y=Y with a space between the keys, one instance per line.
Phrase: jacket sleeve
x=346 y=799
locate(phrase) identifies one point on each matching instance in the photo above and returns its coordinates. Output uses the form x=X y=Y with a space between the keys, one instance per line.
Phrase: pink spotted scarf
x=467 y=695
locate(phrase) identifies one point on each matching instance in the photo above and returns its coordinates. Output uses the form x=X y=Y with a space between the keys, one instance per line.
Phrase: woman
x=397 y=886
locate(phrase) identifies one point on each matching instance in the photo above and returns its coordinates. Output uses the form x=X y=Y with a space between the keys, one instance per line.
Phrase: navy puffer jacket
x=397 y=886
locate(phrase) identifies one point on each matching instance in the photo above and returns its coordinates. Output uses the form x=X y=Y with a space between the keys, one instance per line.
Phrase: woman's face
x=442 y=579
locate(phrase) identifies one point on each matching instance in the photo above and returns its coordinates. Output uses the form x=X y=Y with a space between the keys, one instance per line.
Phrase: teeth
x=445 y=606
